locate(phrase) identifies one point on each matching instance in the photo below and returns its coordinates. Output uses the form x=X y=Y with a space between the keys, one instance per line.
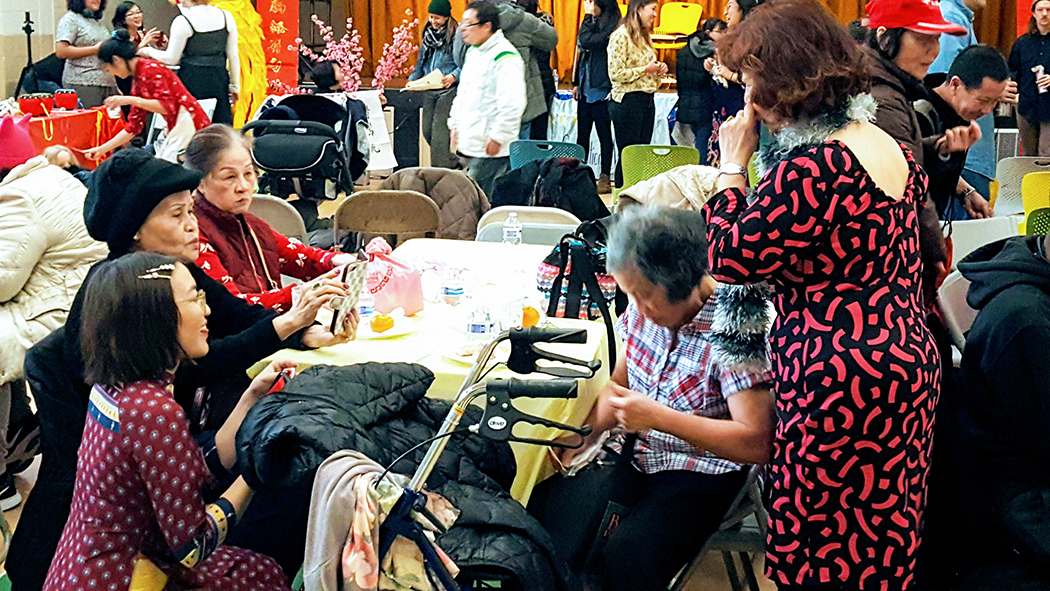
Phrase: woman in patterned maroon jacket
x=832 y=229
x=237 y=248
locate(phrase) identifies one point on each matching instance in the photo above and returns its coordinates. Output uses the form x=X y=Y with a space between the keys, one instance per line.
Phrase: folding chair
x=545 y=234
x=524 y=151
x=280 y=215
x=958 y=315
x=528 y=214
x=679 y=18
x=645 y=161
x=387 y=212
x=743 y=531
x=1010 y=173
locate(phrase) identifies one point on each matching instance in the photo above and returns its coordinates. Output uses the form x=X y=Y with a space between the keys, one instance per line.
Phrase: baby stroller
x=302 y=142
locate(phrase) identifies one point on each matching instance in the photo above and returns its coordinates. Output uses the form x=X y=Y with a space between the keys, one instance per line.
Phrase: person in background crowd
x=858 y=29
x=486 y=113
x=1030 y=65
x=441 y=49
x=728 y=90
x=538 y=126
x=905 y=39
x=204 y=46
x=78 y=37
x=128 y=16
x=679 y=402
x=239 y=249
x=980 y=160
x=992 y=465
x=857 y=372
x=156 y=89
x=327 y=75
x=635 y=74
x=143 y=316
x=529 y=35
x=591 y=86
x=46 y=252
x=693 y=68
x=972 y=88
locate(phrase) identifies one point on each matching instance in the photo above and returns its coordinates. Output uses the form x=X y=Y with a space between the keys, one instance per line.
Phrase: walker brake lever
x=524 y=354
x=500 y=417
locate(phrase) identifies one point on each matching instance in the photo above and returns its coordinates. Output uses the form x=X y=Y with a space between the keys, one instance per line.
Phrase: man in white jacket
x=486 y=114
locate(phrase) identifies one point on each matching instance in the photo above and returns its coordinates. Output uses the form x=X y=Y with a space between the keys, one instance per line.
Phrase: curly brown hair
x=801 y=61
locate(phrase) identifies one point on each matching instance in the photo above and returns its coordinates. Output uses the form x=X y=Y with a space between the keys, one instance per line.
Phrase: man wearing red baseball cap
x=920 y=16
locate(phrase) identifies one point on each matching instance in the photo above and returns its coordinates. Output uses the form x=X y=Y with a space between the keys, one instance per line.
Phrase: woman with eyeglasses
x=138 y=505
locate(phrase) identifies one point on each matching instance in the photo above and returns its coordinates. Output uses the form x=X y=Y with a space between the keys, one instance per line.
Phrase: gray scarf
x=435 y=38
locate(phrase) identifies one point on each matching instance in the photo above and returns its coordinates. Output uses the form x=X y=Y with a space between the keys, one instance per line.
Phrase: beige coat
x=45 y=252
x=458 y=197
x=683 y=187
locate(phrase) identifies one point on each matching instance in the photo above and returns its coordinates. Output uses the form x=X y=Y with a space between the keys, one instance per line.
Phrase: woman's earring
x=136 y=238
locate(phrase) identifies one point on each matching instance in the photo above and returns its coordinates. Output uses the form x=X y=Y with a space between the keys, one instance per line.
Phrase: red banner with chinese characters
x=280 y=25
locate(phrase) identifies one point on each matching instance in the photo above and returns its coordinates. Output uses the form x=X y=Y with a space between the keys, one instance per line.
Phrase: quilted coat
x=45 y=252
x=380 y=410
x=460 y=199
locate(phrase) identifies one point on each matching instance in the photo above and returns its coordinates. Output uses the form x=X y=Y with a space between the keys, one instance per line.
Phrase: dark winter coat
x=592 y=40
x=564 y=183
x=380 y=410
x=695 y=92
x=1031 y=50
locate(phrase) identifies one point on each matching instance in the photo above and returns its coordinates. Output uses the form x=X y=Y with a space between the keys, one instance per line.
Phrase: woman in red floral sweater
x=238 y=248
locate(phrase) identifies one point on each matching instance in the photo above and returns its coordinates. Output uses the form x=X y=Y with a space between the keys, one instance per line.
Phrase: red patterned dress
x=139 y=480
x=856 y=370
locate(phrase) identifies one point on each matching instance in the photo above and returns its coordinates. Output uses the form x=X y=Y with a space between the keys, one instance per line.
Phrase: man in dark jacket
x=994 y=431
x=948 y=122
x=693 y=65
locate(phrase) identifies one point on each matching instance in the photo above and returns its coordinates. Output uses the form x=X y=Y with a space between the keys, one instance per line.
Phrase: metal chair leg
x=749 y=571
x=734 y=577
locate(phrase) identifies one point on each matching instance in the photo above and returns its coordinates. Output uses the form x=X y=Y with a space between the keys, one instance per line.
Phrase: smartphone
x=354 y=276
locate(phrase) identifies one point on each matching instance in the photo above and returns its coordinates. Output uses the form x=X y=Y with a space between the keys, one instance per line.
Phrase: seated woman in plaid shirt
x=699 y=423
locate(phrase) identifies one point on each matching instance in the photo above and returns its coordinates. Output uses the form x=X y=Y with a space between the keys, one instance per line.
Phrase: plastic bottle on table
x=452 y=287
x=480 y=325
x=512 y=230
x=366 y=303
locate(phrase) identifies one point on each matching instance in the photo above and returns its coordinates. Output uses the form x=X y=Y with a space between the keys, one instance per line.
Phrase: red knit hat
x=15 y=145
x=921 y=16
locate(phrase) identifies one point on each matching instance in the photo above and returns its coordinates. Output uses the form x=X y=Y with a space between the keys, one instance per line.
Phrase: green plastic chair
x=524 y=151
x=1038 y=222
x=644 y=162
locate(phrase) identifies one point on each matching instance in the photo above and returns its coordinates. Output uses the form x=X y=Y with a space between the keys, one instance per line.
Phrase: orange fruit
x=382 y=323
x=529 y=317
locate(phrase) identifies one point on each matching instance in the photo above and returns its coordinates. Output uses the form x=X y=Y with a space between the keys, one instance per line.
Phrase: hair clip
x=161 y=272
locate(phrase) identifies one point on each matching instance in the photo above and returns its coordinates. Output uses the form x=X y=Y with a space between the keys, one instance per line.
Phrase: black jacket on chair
x=380 y=410
x=695 y=94
x=565 y=183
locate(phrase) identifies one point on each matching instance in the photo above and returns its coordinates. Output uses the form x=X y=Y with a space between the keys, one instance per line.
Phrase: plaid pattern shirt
x=684 y=378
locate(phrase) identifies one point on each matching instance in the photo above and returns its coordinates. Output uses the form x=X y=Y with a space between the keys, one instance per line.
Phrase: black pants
x=436 y=107
x=596 y=113
x=671 y=516
x=632 y=120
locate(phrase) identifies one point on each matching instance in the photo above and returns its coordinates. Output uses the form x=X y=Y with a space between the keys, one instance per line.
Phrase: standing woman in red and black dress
x=832 y=229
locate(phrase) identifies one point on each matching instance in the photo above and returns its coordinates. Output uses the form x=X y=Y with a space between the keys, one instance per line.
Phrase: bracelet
x=967 y=192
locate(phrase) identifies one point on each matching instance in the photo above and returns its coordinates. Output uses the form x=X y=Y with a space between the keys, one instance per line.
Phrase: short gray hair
x=667 y=246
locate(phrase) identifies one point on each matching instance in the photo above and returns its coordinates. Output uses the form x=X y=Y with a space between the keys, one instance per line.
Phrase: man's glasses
x=468 y=25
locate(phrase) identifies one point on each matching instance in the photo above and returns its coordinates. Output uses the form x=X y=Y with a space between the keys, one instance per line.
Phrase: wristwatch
x=731 y=168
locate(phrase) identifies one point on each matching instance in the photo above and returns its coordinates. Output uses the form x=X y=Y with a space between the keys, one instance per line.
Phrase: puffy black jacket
x=695 y=94
x=380 y=409
x=565 y=183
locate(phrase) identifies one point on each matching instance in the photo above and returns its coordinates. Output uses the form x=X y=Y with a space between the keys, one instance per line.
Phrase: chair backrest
x=1035 y=191
x=958 y=315
x=1010 y=172
x=643 y=161
x=679 y=17
x=969 y=235
x=280 y=215
x=157 y=123
x=1038 y=222
x=528 y=215
x=546 y=234
x=387 y=212
x=525 y=151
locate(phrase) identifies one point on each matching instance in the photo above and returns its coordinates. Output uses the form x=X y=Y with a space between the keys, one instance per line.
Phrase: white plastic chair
x=527 y=214
x=1009 y=172
x=969 y=235
x=280 y=215
x=958 y=315
x=546 y=234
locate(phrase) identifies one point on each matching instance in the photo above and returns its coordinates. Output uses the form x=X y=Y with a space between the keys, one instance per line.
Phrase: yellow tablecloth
x=501 y=272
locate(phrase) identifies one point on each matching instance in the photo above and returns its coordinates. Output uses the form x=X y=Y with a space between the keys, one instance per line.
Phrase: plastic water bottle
x=512 y=230
x=480 y=325
x=366 y=305
x=1039 y=71
x=452 y=286
x=555 y=81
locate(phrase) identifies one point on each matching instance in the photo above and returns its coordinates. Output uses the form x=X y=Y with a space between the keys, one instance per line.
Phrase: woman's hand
x=635 y=412
x=343 y=258
x=1043 y=81
x=318 y=336
x=234 y=96
x=149 y=37
x=448 y=80
x=262 y=383
x=710 y=64
x=588 y=7
x=314 y=294
x=738 y=137
x=653 y=68
x=94 y=153
x=1010 y=94
x=119 y=100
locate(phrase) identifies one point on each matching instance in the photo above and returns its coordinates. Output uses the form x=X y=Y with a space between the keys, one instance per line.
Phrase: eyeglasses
x=201 y=299
x=468 y=25
x=132 y=13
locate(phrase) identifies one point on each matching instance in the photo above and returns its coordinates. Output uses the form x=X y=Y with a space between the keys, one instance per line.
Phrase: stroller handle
x=299 y=127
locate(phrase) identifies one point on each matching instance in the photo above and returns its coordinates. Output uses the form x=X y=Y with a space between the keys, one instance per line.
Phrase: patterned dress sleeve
x=208 y=260
x=792 y=209
x=301 y=261
x=172 y=468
